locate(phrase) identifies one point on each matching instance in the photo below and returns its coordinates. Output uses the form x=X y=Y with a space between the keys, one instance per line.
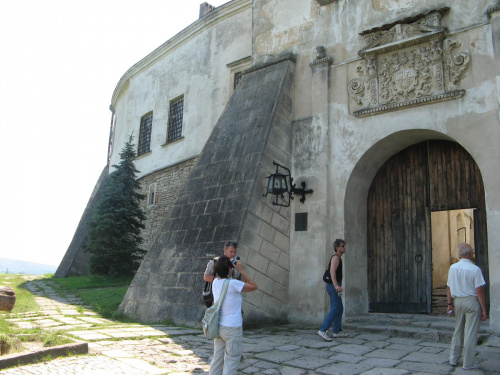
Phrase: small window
x=145 y=134
x=236 y=70
x=237 y=79
x=152 y=199
x=174 y=131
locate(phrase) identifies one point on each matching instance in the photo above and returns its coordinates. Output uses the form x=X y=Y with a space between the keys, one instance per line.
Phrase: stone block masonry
x=222 y=200
x=168 y=182
x=165 y=185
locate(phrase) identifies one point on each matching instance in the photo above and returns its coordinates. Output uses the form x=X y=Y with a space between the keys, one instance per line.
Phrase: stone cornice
x=409 y=19
x=277 y=60
x=244 y=60
x=209 y=20
x=411 y=103
x=324 y=60
x=400 y=45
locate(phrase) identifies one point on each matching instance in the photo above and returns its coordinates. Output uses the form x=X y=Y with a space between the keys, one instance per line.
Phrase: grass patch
x=15 y=340
x=105 y=302
x=75 y=283
x=25 y=301
x=103 y=294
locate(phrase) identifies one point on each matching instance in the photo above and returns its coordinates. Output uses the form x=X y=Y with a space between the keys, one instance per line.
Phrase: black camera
x=235 y=259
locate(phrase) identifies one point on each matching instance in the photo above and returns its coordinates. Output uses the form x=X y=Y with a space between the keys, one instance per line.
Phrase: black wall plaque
x=301 y=221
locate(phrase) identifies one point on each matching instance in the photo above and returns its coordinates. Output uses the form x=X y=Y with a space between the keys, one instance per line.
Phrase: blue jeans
x=334 y=316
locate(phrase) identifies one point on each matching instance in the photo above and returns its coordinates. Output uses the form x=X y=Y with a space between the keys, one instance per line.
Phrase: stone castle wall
x=165 y=185
x=223 y=200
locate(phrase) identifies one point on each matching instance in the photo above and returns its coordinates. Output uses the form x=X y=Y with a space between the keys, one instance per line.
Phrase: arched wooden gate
x=429 y=176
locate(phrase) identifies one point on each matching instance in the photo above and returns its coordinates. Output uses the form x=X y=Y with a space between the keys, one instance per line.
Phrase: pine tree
x=114 y=235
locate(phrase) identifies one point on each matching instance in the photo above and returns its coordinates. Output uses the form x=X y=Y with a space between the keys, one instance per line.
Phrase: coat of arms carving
x=408 y=63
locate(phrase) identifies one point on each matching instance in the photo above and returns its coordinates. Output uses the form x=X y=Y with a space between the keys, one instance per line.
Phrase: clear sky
x=60 y=62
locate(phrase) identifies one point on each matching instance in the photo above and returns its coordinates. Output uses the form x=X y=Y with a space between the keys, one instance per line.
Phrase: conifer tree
x=114 y=235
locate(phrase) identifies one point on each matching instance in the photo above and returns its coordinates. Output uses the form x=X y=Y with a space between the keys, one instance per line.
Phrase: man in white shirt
x=465 y=287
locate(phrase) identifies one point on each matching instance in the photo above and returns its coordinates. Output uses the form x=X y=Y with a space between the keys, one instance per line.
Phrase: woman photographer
x=228 y=346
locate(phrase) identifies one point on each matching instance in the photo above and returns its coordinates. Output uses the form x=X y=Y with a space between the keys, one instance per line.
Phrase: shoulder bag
x=210 y=322
x=207 y=295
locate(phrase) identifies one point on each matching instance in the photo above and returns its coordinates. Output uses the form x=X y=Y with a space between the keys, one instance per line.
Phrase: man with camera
x=230 y=248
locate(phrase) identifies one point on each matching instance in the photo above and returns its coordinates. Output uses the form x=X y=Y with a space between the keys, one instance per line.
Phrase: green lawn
x=103 y=294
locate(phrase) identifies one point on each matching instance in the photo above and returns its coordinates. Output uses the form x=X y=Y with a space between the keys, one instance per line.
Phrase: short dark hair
x=230 y=243
x=222 y=266
x=337 y=243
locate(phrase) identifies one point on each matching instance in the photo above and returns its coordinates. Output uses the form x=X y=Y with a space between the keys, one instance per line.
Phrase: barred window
x=237 y=79
x=174 y=131
x=145 y=134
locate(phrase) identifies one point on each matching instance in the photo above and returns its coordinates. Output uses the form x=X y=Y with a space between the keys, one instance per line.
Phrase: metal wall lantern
x=279 y=184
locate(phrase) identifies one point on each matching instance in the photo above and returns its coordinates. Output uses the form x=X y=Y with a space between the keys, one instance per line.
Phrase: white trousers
x=468 y=319
x=228 y=347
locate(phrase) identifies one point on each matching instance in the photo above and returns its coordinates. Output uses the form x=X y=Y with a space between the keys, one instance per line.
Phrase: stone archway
x=355 y=210
x=452 y=180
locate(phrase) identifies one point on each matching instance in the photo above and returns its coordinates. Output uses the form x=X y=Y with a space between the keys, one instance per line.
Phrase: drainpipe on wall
x=111 y=129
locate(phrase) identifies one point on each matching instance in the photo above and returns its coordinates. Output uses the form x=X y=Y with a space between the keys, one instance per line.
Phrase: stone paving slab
x=426 y=358
x=309 y=363
x=388 y=354
x=89 y=319
x=430 y=368
x=344 y=369
x=385 y=371
x=354 y=349
x=67 y=320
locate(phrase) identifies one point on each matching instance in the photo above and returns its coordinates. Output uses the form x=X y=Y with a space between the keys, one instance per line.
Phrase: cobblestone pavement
x=287 y=350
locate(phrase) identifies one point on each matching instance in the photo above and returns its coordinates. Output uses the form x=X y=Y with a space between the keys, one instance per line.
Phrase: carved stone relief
x=407 y=65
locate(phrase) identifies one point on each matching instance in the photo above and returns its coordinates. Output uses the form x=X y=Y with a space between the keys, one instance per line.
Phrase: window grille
x=237 y=79
x=145 y=134
x=175 y=119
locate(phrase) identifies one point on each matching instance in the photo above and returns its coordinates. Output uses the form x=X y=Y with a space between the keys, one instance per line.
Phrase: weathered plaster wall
x=193 y=64
x=349 y=150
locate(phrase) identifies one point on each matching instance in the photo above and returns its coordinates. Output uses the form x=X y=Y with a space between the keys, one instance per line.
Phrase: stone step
x=418 y=326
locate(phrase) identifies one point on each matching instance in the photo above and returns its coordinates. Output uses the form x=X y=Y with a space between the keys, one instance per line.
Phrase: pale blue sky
x=60 y=62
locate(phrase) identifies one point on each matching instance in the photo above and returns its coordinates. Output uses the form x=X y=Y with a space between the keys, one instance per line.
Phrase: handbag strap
x=223 y=294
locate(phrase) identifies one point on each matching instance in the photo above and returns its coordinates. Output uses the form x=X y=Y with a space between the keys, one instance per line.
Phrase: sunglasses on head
x=233 y=244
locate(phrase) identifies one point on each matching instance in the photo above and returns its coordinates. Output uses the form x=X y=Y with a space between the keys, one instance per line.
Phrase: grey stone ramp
x=222 y=200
